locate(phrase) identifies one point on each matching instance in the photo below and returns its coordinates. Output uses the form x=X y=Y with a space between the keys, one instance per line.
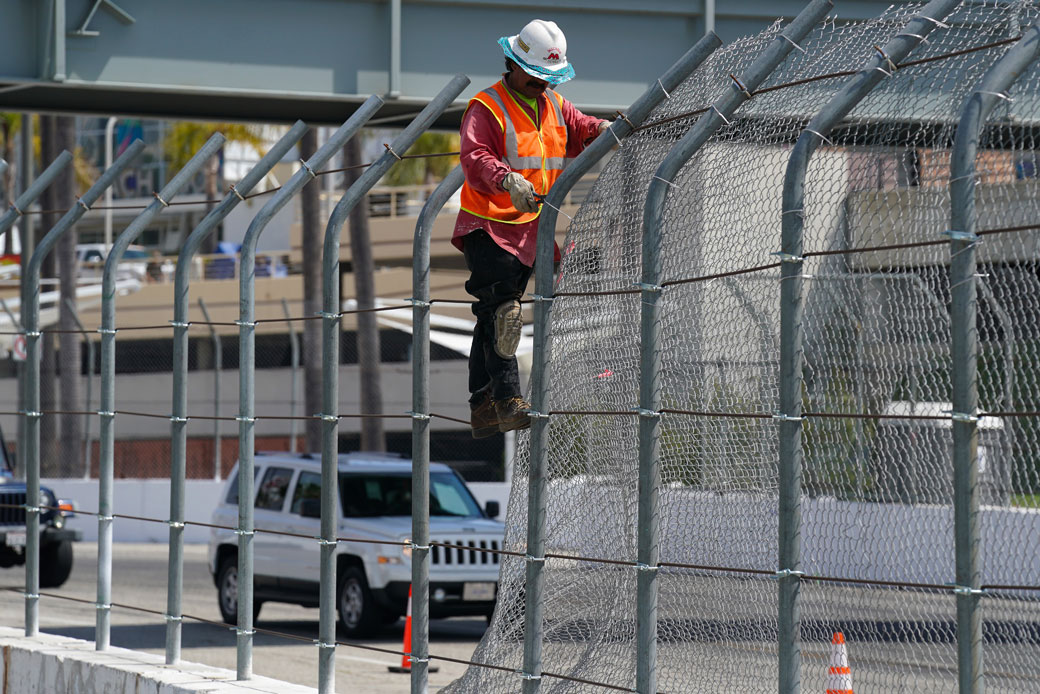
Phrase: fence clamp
x=644 y=412
x=180 y=324
x=962 y=417
x=391 y=150
x=175 y=524
x=326 y=543
x=308 y=169
x=787 y=573
x=966 y=590
x=415 y=547
x=244 y=533
x=324 y=644
x=172 y=618
x=622 y=116
x=655 y=288
x=885 y=60
x=31 y=509
x=79 y=201
x=740 y=86
x=540 y=298
x=527 y=675
x=418 y=415
x=531 y=559
x=788 y=257
x=33 y=333
x=781 y=417
x=233 y=189
x=32 y=414
x=159 y=198
x=646 y=567
x=30 y=596
x=535 y=414
x=178 y=420
x=107 y=331
x=102 y=518
x=106 y=413
x=246 y=323
x=330 y=316
x=327 y=417
x=102 y=606
x=418 y=302
x=242 y=632
x=956 y=235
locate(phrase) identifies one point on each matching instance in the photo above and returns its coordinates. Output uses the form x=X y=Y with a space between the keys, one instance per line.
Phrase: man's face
x=529 y=86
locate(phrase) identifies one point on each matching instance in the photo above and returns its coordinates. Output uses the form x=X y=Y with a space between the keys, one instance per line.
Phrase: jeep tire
x=227 y=591
x=358 y=613
x=55 y=563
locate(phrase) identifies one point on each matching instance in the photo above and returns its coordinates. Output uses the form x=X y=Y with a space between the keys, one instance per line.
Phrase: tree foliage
x=412 y=172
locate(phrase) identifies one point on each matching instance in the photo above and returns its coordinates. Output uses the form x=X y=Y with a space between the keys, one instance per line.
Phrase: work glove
x=521 y=192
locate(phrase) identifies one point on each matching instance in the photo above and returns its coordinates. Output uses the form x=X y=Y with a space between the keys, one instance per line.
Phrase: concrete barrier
x=48 y=664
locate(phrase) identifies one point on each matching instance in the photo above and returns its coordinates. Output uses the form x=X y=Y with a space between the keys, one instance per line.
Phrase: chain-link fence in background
x=877 y=492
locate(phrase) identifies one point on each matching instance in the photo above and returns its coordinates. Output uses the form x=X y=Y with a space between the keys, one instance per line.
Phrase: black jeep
x=55 y=539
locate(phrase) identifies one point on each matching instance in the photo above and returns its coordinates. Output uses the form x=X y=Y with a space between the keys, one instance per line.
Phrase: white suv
x=372 y=579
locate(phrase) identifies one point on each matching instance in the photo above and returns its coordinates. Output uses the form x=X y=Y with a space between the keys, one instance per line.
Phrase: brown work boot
x=483 y=418
x=511 y=414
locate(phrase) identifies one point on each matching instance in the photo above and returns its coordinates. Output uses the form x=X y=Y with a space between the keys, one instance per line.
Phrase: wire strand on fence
x=306 y=639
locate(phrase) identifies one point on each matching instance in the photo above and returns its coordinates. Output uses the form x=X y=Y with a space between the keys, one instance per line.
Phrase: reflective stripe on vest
x=513 y=157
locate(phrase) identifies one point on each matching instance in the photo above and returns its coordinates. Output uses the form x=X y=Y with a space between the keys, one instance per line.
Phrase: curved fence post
x=330 y=315
x=965 y=353
x=30 y=311
x=106 y=468
x=543 y=269
x=792 y=304
x=649 y=352
x=179 y=411
x=421 y=426
x=246 y=378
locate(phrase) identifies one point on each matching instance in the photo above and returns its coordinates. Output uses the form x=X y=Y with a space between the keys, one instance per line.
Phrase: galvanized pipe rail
x=421 y=424
x=246 y=383
x=792 y=304
x=650 y=325
x=330 y=316
x=544 y=278
x=106 y=467
x=30 y=312
x=965 y=350
x=179 y=405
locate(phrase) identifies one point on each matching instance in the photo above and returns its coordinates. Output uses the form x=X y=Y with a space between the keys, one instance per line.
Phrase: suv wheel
x=55 y=564
x=227 y=591
x=358 y=613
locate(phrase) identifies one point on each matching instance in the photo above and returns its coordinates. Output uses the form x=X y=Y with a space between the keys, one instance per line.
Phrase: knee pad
x=507 y=328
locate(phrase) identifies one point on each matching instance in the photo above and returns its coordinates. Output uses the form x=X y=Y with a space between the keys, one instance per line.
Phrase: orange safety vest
x=538 y=155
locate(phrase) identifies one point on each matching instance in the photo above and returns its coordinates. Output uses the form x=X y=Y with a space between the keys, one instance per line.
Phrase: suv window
x=271 y=496
x=232 y=492
x=307 y=487
x=367 y=496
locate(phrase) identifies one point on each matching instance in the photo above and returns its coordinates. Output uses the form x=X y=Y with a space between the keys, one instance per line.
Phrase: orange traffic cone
x=406 y=664
x=839 y=677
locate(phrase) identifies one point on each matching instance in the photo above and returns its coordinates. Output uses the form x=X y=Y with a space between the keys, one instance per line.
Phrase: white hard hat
x=540 y=49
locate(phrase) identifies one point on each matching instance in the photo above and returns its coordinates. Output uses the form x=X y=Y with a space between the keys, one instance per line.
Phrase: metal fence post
x=650 y=358
x=246 y=383
x=218 y=367
x=964 y=351
x=106 y=468
x=637 y=113
x=30 y=311
x=88 y=398
x=421 y=425
x=330 y=316
x=792 y=303
x=179 y=411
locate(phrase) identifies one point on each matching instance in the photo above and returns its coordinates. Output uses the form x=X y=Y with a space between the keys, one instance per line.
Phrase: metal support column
x=106 y=466
x=29 y=446
x=965 y=350
x=650 y=328
x=544 y=279
x=330 y=315
x=179 y=409
x=792 y=304
x=421 y=426
x=246 y=384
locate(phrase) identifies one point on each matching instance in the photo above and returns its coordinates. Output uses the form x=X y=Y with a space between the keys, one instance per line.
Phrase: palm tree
x=412 y=172
x=185 y=138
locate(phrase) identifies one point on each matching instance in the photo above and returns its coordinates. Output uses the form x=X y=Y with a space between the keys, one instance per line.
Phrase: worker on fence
x=517 y=135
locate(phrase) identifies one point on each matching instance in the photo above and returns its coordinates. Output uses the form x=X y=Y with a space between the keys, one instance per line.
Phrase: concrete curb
x=49 y=663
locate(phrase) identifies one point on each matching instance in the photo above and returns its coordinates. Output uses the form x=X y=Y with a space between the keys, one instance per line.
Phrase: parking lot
x=139 y=579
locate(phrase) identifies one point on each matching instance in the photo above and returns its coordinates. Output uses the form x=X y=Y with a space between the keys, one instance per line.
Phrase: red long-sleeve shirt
x=483 y=162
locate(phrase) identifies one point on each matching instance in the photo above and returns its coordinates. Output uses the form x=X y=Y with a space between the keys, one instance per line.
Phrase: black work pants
x=496 y=276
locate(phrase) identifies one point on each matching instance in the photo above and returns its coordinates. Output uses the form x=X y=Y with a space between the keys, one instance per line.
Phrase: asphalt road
x=139 y=579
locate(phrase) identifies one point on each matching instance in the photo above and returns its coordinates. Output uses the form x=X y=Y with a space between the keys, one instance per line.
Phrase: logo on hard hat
x=554 y=55
x=521 y=44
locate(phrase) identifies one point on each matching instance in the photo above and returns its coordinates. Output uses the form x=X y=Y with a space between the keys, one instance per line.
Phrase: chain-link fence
x=876 y=522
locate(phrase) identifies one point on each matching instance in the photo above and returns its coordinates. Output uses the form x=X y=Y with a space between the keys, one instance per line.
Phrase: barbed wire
x=305 y=639
x=771 y=573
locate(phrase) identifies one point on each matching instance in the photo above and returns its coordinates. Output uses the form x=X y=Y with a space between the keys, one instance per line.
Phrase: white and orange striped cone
x=406 y=648
x=839 y=677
